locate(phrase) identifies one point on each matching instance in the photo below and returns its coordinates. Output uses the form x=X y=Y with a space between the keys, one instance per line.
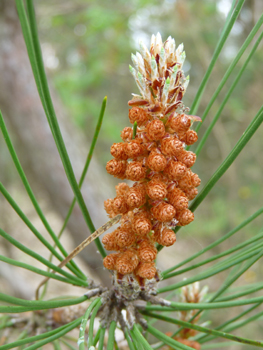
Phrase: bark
x=23 y=112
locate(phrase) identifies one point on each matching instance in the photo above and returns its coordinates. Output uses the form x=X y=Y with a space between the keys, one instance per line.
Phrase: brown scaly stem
x=130 y=294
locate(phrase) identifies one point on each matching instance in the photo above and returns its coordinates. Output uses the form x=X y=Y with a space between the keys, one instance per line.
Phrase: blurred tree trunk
x=23 y=112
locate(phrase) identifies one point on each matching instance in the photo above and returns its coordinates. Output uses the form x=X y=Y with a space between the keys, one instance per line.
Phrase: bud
x=191 y=193
x=165 y=237
x=109 y=241
x=171 y=146
x=156 y=189
x=119 y=205
x=127 y=262
x=127 y=133
x=116 y=168
x=156 y=161
x=121 y=189
x=126 y=223
x=139 y=115
x=108 y=205
x=178 y=202
x=146 y=270
x=155 y=130
x=180 y=123
x=124 y=239
x=118 y=151
x=175 y=170
x=184 y=217
x=135 y=171
x=185 y=182
x=136 y=196
x=134 y=149
x=110 y=261
x=190 y=137
x=147 y=251
x=141 y=223
x=163 y=212
x=195 y=180
x=187 y=157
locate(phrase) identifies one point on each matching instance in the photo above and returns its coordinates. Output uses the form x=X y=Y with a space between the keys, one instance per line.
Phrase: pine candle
x=156 y=160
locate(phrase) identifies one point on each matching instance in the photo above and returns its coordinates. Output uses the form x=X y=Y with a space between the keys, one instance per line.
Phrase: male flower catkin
x=155 y=159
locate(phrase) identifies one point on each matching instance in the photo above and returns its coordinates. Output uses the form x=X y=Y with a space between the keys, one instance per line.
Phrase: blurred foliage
x=90 y=59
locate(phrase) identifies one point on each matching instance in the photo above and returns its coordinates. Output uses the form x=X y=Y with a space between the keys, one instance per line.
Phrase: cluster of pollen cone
x=155 y=159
